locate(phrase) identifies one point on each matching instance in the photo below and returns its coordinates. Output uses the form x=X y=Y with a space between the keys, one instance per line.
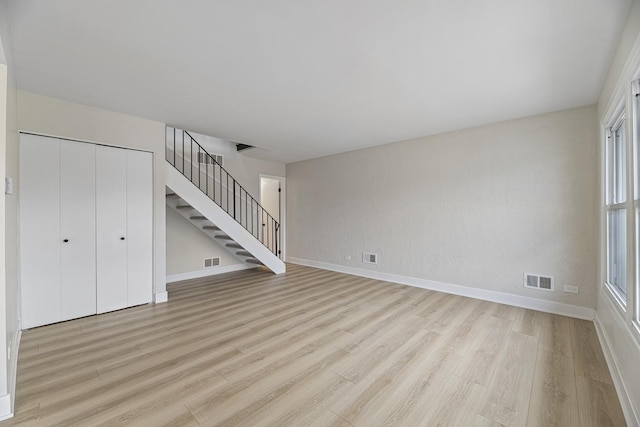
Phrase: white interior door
x=39 y=230
x=77 y=230
x=111 y=230
x=273 y=200
x=270 y=196
x=139 y=227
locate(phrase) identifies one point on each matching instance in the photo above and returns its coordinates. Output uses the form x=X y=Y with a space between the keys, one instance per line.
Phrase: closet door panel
x=139 y=227
x=77 y=229
x=111 y=229
x=39 y=230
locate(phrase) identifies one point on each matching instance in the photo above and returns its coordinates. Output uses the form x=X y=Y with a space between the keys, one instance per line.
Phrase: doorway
x=273 y=200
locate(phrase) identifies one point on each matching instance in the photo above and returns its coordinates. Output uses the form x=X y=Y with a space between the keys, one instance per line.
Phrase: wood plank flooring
x=314 y=348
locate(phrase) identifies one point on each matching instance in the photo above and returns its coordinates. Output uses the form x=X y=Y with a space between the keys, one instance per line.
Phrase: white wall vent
x=211 y=262
x=208 y=160
x=538 y=281
x=369 y=258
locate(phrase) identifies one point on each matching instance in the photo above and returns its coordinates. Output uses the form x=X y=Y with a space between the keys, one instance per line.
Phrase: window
x=617 y=251
x=616 y=208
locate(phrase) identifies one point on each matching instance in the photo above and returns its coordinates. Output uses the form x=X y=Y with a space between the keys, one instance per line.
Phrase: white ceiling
x=303 y=78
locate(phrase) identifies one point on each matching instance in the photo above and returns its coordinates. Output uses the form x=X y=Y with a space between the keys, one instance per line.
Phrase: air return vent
x=537 y=281
x=211 y=262
x=369 y=258
x=208 y=160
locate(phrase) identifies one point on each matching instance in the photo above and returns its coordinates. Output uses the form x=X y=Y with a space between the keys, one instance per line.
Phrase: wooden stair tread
x=248 y=256
x=223 y=237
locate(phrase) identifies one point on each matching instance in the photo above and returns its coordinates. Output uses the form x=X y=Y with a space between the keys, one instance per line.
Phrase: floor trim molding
x=160 y=297
x=465 y=291
x=5 y=407
x=171 y=278
x=13 y=367
x=630 y=414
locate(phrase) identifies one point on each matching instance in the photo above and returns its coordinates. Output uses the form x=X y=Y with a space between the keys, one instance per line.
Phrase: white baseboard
x=5 y=407
x=465 y=291
x=631 y=414
x=160 y=297
x=13 y=366
x=207 y=272
x=7 y=401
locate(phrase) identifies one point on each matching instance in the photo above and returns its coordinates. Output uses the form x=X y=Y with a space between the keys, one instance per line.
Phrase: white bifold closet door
x=77 y=229
x=40 y=240
x=124 y=228
x=57 y=230
x=139 y=227
x=111 y=234
x=86 y=236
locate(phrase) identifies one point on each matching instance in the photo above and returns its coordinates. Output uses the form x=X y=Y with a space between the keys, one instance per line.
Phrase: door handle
x=66 y=240
x=122 y=238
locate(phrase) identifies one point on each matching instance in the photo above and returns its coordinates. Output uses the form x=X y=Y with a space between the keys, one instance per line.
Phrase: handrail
x=268 y=233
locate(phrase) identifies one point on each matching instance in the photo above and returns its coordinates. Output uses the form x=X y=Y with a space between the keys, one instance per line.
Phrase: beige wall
x=8 y=222
x=188 y=246
x=620 y=58
x=620 y=339
x=54 y=117
x=247 y=171
x=3 y=284
x=11 y=225
x=477 y=207
x=11 y=220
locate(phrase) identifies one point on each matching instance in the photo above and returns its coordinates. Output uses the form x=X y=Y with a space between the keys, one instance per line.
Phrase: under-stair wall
x=188 y=250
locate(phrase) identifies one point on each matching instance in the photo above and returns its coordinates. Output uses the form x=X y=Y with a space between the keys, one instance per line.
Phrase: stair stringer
x=215 y=214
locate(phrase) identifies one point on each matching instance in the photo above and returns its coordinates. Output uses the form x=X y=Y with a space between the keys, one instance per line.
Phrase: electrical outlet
x=347 y=257
x=8 y=185
x=571 y=289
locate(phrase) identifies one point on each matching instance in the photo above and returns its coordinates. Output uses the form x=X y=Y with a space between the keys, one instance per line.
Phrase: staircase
x=204 y=193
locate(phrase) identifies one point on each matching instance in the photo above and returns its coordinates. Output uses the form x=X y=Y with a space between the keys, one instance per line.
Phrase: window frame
x=617 y=190
x=633 y=295
x=613 y=141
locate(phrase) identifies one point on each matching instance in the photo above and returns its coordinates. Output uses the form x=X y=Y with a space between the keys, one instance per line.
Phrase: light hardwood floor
x=315 y=348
